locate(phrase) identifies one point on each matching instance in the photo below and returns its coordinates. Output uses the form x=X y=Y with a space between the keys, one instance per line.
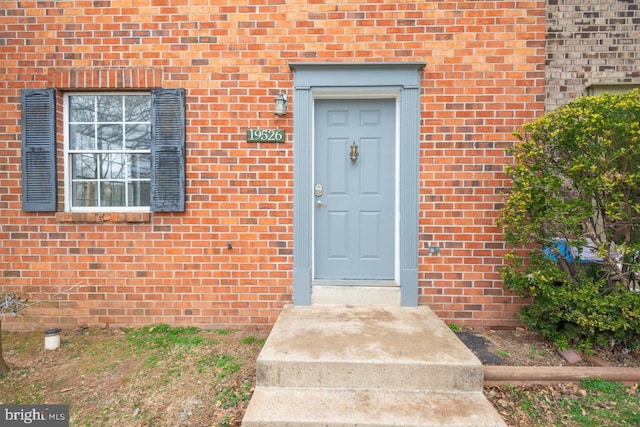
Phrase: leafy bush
x=576 y=195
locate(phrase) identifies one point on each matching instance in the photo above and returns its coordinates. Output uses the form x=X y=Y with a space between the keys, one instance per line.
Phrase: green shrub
x=584 y=314
x=576 y=183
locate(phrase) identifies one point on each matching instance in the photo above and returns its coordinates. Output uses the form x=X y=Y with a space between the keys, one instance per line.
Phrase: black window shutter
x=39 y=181
x=167 y=150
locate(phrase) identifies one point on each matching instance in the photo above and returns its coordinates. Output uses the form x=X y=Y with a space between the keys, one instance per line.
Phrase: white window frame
x=68 y=190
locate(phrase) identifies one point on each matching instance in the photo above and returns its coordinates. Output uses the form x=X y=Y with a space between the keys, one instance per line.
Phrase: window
x=611 y=88
x=108 y=156
x=122 y=151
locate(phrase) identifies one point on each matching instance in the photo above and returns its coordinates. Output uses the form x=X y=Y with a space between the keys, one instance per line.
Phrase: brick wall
x=484 y=77
x=591 y=42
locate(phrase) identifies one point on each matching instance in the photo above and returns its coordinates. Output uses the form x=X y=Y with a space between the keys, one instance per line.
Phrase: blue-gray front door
x=354 y=189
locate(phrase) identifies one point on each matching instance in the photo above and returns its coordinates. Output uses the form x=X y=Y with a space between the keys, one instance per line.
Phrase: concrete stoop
x=366 y=366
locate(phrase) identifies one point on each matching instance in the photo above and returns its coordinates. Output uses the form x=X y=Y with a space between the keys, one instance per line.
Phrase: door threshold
x=366 y=292
x=363 y=282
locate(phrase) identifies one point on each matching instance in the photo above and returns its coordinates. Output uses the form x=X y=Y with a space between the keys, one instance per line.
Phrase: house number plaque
x=265 y=135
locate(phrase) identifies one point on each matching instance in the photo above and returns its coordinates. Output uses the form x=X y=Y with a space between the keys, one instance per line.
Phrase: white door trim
x=355 y=95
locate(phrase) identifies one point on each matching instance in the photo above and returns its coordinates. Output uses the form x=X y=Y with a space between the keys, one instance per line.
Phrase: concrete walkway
x=367 y=366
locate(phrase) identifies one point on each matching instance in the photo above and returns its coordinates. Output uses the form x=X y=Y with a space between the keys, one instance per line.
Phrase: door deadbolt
x=318 y=190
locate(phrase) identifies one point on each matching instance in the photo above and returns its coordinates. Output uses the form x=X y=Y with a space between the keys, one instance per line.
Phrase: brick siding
x=590 y=42
x=485 y=76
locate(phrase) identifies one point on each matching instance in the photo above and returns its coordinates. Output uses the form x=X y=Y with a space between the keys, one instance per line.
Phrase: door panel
x=369 y=242
x=354 y=231
x=337 y=231
x=337 y=175
x=369 y=170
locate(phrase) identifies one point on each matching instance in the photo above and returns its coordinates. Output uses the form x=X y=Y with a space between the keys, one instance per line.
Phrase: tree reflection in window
x=109 y=150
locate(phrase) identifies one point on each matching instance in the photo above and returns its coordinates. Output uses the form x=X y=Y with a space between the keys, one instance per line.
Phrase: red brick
x=484 y=77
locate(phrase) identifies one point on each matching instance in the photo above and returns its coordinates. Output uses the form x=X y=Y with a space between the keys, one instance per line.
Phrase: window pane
x=110 y=108
x=139 y=166
x=82 y=108
x=83 y=166
x=84 y=194
x=137 y=108
x=82 y=137
x=139 y=193
x=110 y=137
x=112 y=193
x=138 y=137
x=112 y=166
x=113 y=134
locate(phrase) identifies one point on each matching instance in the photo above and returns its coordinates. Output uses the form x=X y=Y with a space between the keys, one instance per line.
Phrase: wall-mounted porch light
x=280 y=104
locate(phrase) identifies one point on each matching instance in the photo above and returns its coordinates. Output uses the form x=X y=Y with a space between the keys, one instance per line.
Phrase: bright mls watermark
x=34 y=415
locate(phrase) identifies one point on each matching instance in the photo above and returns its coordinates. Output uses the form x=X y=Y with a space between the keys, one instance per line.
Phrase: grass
x=605 y=403
x=591 y=403
x=165 y=376
x=503 y=353
x=226 y=365
x=163 y=336
x=533 y=351
x=456 y=328
x=152 y=376
x=253 y=340
x=229 y=397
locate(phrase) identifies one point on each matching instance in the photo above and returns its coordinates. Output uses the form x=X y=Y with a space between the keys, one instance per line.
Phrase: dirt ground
x=109 y=381
x=520 y=347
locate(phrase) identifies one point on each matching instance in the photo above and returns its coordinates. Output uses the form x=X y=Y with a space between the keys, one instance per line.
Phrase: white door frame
x=353 y=95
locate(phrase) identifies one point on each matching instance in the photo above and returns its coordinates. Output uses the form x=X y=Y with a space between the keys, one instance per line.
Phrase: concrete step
x=295 y=407
x=389 y=348
x=366 y=366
